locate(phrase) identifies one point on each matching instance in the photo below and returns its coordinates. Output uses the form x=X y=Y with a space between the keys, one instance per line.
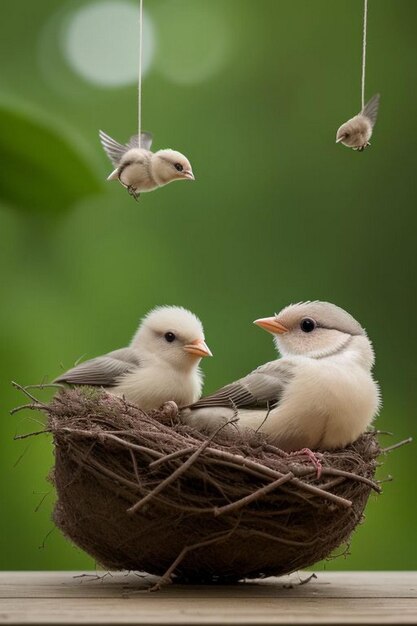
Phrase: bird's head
x=169 y=165
x=344 y=133
x=315 y=329
x=173 y=335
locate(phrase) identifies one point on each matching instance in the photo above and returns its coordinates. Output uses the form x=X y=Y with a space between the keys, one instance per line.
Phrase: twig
x=238 y=504
x=332 y=471
x=101 y=434
x=29 y=395
x=45 y=386
x=177 y=473
x=222 y=536
x=343 y=502
x=170 y=457
x=30 y=405
x=39 y=432
x=387 y=479
x=396 y=445
x=267 y=471
x=302 y=581
x=265 y=418
x=135 y=466
x=260 y=533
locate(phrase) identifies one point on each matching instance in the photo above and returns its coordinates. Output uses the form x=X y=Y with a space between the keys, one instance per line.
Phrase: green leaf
x=41 y=171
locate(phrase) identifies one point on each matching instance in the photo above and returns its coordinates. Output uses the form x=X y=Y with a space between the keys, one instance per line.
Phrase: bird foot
x=132 y=192
x=312 y=456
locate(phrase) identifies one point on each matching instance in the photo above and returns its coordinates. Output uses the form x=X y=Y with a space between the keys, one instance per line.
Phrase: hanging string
x=365 y=25
x=140 y=73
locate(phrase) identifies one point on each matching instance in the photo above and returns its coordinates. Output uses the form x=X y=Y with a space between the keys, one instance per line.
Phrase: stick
x=396 y=445
x=170 y=457
x=238 y=504
x=180 y=470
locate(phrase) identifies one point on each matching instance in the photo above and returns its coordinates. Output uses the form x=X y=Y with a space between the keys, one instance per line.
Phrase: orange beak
x=199 y=348
x=271 y=325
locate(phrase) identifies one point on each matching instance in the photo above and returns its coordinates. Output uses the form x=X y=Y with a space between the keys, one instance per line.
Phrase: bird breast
x=328 y=404
x=149 y=387
x=360 y=131
x=135 y=171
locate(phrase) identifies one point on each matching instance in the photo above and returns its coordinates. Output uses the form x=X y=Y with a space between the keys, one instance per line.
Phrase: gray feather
x=145 y=142
x=116 y=150
x=370 y=110
x=103 y=371
x=263 y=386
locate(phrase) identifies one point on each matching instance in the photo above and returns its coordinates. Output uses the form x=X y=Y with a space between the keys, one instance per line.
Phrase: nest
x=140 y=491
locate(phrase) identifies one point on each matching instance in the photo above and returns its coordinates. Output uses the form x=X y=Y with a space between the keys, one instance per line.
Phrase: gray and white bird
x=320 y=394
x=160 y=364
x=139 y=169
x=356 y=132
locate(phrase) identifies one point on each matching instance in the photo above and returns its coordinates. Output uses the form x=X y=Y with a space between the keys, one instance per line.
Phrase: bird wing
x=116 y=150
x=103 y=370
x=112 y=148
x=145 y=141
x=261 y=387
x=370 y=110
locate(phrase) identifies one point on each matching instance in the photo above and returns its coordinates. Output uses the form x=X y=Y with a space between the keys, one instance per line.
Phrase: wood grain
x=332 y=598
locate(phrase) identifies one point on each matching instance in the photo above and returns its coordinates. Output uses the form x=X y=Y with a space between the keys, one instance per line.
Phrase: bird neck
x=356 y=348
x=159 y=169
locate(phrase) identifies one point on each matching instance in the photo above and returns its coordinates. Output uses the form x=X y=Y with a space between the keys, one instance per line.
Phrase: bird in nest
x=320 y=394
x=160 y=364
x=139 y=169
x=356 y=132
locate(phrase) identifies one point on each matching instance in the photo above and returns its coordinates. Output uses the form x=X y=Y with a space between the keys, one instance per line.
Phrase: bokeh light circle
x=101 y=42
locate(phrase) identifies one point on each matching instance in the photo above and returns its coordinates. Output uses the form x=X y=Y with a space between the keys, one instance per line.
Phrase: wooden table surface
x=331 y=598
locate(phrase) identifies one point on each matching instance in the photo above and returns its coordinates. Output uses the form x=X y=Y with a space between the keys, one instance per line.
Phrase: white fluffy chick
x=320 y=394
x=161 y=363
x=356 y=132
x=139 y=169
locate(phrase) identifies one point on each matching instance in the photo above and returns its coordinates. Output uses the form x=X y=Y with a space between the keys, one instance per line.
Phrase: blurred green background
x=253 y=93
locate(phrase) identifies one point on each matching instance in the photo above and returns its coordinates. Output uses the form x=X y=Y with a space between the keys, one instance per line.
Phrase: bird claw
x=313 y=458
x=132 y=192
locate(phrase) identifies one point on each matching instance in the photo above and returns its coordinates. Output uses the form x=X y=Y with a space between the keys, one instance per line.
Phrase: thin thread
x=140 y=74
x=365 y=25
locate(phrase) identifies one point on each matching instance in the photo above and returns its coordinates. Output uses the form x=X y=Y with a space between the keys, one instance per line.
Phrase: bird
x=356 y=132
x=138 y=169
x=319 y=395
x=160 y=364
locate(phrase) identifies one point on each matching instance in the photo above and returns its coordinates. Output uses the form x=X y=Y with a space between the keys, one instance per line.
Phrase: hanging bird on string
x=356 y=132
x=136 y=167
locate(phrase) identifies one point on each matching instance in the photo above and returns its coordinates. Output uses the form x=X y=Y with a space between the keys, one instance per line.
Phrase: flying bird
x=320 y=394
x=139 y=169
x=160 y=364
x=356 y=132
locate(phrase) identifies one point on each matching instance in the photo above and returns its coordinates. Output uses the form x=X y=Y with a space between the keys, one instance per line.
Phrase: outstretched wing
x=370 y=110
x=103 y=371
x=263 y=386
x=112 y=148
x=145 y=141
x=116 y=150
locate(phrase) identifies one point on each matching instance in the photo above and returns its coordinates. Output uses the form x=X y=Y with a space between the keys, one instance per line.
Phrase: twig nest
x=141 y=491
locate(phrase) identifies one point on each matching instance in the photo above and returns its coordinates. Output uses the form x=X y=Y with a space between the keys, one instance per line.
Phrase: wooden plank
x=195 y=611
x=333 y=598
x=327 y=584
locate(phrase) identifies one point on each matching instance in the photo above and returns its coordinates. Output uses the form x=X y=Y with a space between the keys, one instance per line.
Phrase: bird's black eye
x=170 y=337
x=178 y=167
x=307 y=325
